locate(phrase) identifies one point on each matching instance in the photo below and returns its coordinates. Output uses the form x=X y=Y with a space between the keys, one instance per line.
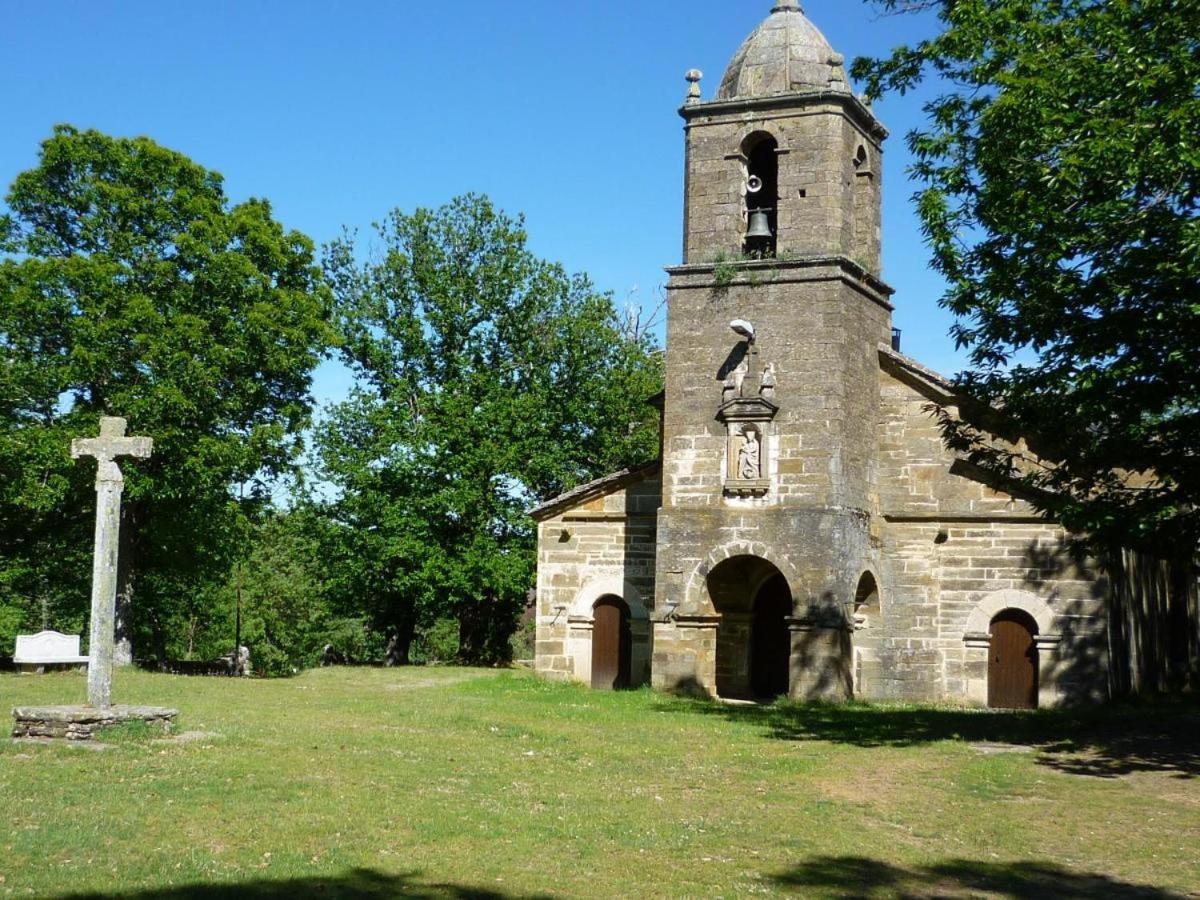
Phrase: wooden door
x=771 y=640
x=1013 y=663
x=611 y=645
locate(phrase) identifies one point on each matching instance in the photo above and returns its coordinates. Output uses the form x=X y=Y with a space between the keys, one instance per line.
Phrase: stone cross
x=109 y=486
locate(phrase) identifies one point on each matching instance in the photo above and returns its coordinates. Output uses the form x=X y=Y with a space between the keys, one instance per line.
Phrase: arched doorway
x=612 y=643
x=771 y=640
x=1013 y=661
x=753 y=640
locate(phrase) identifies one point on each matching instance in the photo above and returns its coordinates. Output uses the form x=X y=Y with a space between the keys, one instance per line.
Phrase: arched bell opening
x=753 y=639
x=612 y=644
x=762 y=195
x=1013 y=661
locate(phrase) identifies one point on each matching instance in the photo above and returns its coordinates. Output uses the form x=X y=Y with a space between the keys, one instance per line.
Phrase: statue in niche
x=750 y=456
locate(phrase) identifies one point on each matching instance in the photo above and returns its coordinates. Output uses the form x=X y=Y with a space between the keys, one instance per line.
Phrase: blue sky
x=338 y=112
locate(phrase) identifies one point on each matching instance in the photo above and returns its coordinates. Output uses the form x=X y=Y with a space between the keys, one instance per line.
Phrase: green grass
x=461 y=783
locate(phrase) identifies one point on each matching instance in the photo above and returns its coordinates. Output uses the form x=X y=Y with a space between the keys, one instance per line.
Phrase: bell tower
x=775 y=319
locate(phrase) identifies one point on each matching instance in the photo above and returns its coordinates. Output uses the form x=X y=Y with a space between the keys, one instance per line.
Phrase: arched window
x=762 y=195
x=866 y=602
x=866 y=216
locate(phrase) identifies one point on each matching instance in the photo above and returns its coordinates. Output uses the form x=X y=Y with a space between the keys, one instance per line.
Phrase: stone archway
x=987 y=609
x=753 y=643
x=615 y=586
x=697 y=594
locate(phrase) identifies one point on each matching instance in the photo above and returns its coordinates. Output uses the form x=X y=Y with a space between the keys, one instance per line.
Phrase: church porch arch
x=758 y=617
x=753 y=603
x=698 y=602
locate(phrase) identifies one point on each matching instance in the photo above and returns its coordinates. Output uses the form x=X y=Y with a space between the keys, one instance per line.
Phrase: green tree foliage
x=487 y=379
x=1059 y=163
x=280 y=588
x=132 y=287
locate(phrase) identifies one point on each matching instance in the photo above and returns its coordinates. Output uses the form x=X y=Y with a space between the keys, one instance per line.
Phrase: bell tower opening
x=762 y=196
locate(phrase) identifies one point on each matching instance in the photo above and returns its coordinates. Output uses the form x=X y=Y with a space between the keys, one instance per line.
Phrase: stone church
x=805 y=532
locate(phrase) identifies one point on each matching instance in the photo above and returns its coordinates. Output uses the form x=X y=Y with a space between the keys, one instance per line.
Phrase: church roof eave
x=939 y=384
x=593 y=489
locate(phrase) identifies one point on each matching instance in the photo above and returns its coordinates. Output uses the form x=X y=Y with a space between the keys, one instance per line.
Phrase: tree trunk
x=126 y=570
x=484 y=627
x=400 y=640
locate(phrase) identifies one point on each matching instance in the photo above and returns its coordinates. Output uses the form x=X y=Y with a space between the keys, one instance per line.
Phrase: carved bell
x=760 y=225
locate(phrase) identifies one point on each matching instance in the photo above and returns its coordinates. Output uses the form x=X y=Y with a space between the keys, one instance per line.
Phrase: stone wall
x=819 y=323
x=83 y=723
x=601 y=543
x=955 y=553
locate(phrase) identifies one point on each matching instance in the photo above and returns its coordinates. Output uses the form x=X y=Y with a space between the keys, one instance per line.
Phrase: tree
x=488 y=379
x=279 y=589
x=132 y=287
x=1059 y=168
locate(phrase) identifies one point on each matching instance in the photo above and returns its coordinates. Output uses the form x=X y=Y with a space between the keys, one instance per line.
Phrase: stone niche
x=749 y=447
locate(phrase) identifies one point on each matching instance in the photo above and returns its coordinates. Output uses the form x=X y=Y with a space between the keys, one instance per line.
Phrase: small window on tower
x=762 y=196
x=860 y=161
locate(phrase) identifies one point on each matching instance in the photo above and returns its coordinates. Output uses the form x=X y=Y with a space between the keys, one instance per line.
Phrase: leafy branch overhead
x=1059 y=165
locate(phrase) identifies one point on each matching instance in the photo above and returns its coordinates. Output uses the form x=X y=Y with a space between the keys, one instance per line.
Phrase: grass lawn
x=461 y=783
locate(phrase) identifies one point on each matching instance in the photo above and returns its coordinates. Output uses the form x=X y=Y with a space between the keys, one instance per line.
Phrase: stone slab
x=82 y=723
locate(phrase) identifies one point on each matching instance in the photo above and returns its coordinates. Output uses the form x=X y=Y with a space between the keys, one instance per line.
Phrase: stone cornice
x=747 y=409
x=854 y=108
x=937 y=518
x=789 y=270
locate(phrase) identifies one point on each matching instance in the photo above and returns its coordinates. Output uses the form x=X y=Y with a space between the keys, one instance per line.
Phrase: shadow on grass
x=357 y=884
x=857 y=878
x=1103 y=742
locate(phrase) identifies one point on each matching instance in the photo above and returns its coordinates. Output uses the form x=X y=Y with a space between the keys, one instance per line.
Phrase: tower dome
x=785 y=54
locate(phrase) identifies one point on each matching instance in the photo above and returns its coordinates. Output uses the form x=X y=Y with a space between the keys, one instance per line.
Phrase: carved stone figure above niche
x=748 y=422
